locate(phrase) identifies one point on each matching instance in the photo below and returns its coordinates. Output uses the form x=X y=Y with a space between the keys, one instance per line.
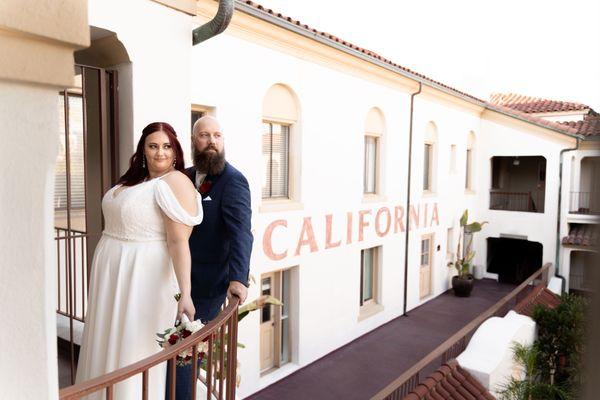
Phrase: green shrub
x=561 y=337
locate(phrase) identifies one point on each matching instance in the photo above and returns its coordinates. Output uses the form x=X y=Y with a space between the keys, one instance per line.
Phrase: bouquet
x=173 y=335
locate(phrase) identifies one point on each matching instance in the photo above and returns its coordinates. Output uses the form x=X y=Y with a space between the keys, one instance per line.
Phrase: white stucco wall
x=27 y=276
x=158 y=46
x=510 y=139
x=331 y=145
x=572 y=178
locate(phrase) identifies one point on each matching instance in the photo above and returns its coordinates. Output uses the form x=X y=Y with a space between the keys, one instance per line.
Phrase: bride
x=140 y=263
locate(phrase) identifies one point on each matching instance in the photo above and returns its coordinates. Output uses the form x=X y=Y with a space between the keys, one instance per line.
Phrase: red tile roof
x=450 y=382
x=582 y=235
x=354 y=47
x=534 y=105
x=590 y=126
x=504 y=109
x=539 y=295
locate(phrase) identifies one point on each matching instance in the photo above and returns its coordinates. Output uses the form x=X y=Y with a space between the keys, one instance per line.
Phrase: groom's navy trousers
x=220 y=247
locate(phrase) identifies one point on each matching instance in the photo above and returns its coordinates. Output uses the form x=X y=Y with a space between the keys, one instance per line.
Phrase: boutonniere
x=205 y=187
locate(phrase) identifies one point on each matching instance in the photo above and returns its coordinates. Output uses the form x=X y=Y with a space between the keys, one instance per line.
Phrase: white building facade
x=326 y=134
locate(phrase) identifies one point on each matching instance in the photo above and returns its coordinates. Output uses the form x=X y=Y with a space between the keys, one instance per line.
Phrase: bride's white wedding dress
x=132 y=286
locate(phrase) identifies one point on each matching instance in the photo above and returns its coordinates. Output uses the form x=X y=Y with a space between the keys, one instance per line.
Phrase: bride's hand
x=186 y=306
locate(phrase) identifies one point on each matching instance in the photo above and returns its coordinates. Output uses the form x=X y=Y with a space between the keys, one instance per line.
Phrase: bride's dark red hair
x=136 y=172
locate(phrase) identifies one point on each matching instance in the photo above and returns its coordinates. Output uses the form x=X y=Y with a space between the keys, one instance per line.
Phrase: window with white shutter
x=74 y=108
x=427 y=166
x=370 y=171
x=275 y=152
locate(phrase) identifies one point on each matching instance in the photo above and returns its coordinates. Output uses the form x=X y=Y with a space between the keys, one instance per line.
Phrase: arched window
x=280 y=116
x=429 y=157
x=469 y=161
x=374 y=128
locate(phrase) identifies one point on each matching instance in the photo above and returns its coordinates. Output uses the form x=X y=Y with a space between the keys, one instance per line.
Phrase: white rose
x=195 y=326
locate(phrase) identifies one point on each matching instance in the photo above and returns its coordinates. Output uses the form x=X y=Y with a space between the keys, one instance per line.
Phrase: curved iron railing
x=221 y=372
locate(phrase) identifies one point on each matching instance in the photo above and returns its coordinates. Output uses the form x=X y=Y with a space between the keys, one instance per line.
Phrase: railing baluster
x=58 y=264
x=221 y=360
x=74 y=277
x=145 y=385
x=233 y=366
x=194 y=370
x=83 y=277
x=109 y=392
x=172 y=364
x=209 y=368
x=230 y=361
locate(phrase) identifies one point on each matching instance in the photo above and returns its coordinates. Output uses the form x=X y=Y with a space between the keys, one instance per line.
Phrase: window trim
x=431 y=254
x=289 y=151
x=276 y=312
x=469 y=170
x=431 y=167
x=372 y=306
x=377 y=167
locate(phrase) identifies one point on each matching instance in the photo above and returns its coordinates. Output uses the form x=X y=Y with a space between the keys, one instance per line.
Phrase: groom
x=221 y=245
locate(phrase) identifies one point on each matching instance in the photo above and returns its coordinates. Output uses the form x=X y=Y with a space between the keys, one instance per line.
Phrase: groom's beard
x=206 y=162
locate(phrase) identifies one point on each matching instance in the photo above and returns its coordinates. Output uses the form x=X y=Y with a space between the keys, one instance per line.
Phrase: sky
x=548 y=49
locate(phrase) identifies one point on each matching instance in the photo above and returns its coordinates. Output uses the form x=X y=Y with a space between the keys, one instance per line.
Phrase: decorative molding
x=38 y=38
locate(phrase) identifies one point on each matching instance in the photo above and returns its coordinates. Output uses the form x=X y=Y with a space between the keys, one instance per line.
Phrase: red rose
x=186 y=333
x=205 y=187
x=173 y=338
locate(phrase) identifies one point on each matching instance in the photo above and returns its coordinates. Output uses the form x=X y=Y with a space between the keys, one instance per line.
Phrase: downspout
x=558 y=241
x=216 y=25
x=406 y=241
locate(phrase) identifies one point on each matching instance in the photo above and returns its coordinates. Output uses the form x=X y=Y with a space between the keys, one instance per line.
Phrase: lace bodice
x=135 y=213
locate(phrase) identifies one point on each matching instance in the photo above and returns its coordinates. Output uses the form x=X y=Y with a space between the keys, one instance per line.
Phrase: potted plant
x=462 y=283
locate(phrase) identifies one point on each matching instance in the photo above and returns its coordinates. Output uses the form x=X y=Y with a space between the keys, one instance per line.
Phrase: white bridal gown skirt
x=132 y=289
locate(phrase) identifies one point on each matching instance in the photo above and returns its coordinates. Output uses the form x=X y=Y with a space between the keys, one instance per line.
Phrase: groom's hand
x=237 y=289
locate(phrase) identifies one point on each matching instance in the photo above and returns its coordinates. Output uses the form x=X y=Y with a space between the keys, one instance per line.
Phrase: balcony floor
x=368 y=364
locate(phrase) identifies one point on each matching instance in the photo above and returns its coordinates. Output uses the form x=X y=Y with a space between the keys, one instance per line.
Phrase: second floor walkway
x=368 y=364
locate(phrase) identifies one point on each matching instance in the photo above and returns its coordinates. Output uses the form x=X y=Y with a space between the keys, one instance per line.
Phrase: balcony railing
x=220 y=370
x=456 y=344
x=71 y=261
x=515 y=201
x=72 y=284
x=585 y=203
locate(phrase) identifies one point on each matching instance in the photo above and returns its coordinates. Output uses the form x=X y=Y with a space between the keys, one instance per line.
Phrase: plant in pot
x=462 y=283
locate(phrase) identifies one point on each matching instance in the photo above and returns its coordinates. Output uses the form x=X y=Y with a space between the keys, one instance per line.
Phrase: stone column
x=37 y=40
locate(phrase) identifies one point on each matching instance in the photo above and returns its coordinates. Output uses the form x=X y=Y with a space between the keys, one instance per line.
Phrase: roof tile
x=449 y=382
x=589 y=128
x=539 y=295
x=581 y=235
x=533 y=105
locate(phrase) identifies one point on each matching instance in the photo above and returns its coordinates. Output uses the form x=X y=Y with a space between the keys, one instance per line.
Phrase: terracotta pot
x=462 y=286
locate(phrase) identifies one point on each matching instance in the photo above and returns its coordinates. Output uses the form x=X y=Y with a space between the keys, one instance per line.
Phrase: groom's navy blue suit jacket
x=221 y=245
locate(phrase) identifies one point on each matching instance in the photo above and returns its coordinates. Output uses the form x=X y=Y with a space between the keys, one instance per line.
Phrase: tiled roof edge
x=258 y=11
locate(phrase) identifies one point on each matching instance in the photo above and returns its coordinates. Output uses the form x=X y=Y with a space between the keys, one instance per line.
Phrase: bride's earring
x=144 y=161
x=174 y=161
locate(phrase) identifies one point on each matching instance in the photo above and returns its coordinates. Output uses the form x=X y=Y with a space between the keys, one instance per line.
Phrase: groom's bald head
x=208 y=147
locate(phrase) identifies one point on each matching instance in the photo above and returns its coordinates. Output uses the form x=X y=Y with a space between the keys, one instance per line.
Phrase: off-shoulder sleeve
x=169 y=204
